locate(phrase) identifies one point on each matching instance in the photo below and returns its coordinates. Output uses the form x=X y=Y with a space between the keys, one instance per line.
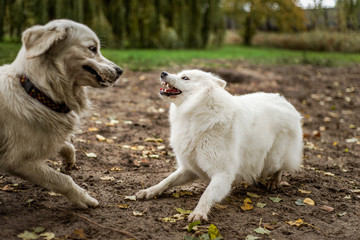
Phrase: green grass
x=147 y=59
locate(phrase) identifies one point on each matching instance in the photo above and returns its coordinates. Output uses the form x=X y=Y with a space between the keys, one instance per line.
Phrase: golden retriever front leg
x=67 y=152
x=40 y=173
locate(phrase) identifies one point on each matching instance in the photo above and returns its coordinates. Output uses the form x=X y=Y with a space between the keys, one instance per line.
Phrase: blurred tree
x=2 y=16
x=349 y=11
x=285 y=15
x=125 y=23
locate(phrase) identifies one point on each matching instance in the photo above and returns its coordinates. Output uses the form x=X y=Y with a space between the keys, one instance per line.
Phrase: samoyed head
x=178 y=87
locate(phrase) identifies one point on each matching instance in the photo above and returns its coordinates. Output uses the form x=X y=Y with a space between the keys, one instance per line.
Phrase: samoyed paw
x=145 y=194
x=84 y=200
x=197 y=216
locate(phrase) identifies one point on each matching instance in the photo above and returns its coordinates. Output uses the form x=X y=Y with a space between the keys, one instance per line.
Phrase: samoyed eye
x=185 y=78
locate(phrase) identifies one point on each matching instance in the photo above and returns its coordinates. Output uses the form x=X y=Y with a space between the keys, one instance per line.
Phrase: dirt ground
x=136 y=154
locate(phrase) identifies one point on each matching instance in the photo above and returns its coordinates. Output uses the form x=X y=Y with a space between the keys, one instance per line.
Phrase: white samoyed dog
x=225 y=139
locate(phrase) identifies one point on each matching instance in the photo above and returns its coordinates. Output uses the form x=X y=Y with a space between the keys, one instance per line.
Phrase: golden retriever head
x=63 y=56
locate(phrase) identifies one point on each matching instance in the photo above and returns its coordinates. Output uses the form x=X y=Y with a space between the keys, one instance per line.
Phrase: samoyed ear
x=219 y=81
x=39 y=39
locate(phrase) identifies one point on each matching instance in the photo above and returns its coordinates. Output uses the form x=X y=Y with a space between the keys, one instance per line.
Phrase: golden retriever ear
x=39 y=39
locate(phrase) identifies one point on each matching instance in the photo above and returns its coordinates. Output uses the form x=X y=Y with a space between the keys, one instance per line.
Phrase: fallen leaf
x=341 y=214
x=123 y=206
x=131 y=198
x=327 y=208
x=107 y=178
x=251 y=237
x=260 y=205
x=112 y=123
x=142 y=77
x=93 y=129
x=252 y=195
x=219 y=206
x=54 y=194
x=300 y=202
x=182 y=211
x=214 y=232
x=192 y=225
x=137 y=213
x=275 y=199
x=268 y=226
x=47 y=235
x=128 y=122
x=181 y=193
x=162 y=147
x=39 y=229
x=297 y=223
x=116 y=169
x=100 y=138
x=309 y=201
x=168 y=219
x=28 y=235
x=80 y=234
x=91 y=155
x=304 y=191
x=7 y=188
x=352 y=140
x=153 y=139
x=355 y=190
x=247 y=205
x=261 y=230
x=136 y=148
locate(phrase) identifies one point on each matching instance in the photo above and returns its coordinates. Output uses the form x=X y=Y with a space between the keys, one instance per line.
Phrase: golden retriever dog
x=42 y=95
x=225 y=139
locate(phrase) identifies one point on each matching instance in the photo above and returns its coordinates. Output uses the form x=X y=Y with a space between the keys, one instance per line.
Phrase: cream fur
x=52 y=57
x=226 y=139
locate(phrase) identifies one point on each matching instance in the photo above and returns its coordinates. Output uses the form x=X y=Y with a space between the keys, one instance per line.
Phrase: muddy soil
x=136 y=154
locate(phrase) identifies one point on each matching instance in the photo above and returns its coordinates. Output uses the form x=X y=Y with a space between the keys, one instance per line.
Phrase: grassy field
x=147 y=59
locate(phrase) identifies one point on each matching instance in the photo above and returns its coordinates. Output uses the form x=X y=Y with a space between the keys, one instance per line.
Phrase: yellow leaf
x=115 y=169
x=213 y=232
x=123 y=206
x=247 y=205
x=93 y=129
x=153 y=140
x=309 y=201
x=297 y=223
x=100 y=138
x=304 y=191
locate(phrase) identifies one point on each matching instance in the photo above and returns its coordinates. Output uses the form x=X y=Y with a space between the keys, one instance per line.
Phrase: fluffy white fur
x=226 y=139
x=52 y=57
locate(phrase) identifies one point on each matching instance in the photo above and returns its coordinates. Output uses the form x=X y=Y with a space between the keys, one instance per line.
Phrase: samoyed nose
x=164 y=74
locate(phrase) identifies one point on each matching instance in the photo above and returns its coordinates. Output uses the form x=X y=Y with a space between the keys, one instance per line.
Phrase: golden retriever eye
x=185 y=78
x=93 y=49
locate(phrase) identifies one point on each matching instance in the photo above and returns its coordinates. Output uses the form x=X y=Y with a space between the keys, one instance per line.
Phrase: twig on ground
x=100 y=225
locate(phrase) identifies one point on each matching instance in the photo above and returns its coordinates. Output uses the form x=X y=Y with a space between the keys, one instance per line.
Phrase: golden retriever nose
x=164 y=74
x=118 y=70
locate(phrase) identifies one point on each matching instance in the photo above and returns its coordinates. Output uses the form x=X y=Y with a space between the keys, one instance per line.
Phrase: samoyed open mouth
x=169 y=90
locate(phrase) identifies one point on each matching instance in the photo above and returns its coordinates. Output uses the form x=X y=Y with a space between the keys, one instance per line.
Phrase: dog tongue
x=170 y=90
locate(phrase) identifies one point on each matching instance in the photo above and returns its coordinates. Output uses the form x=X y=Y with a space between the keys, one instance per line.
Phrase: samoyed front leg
x=179 y=177
x=219 y=187
x=67 y=152
x=43 y=175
